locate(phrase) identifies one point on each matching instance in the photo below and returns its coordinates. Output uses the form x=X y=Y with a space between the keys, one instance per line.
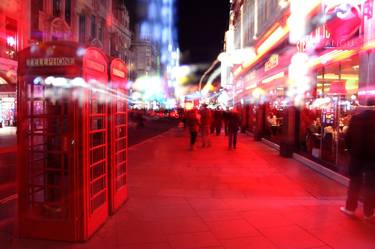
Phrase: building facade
x=300 y=89
x=100 y=23
x=13 y=38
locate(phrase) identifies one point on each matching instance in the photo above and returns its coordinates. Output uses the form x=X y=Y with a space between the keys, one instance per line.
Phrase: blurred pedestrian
x=360 y=141
x=140 y=119
x=218 y=120
x=226 y=115
x=193 y=122
x=206 y=120
x=234 y=123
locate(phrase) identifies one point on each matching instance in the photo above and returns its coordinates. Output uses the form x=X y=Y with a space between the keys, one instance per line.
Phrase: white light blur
x=11 y=41
x=59 y=88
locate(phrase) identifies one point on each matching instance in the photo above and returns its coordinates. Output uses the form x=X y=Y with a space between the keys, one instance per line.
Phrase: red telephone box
x=63 y=141
x=118 y=188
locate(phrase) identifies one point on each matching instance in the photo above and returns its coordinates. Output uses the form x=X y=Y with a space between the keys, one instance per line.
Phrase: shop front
x=325 y=116
x=265 y=96
x=335 y=51
x=8 y=78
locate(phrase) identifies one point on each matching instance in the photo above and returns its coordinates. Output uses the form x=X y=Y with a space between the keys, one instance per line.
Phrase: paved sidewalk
x=213 y=198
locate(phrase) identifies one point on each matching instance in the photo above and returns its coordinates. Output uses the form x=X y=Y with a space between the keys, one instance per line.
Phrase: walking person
x=193 y=122
x=226 y=115
x=218 y=120
x=234 y=123
x=360 y=141
x=206 y=120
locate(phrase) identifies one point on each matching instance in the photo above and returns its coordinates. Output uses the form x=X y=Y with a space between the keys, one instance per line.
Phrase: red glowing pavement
x=213 y=198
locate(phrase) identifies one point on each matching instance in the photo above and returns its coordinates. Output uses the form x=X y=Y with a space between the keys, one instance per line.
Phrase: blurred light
x=273 y=77
x=3 y=81
x=11 y=41
x=136 y=95
x=251 y=86
x=81 y=52
x=38 y=80
x=274 y=38
x=283 y=3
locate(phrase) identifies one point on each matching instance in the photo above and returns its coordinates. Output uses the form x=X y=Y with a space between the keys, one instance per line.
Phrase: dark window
x=36 y=6
x=56 y=7
x=11 y=37
x=101 y=31
x=82 y=28
x=68 y=11
x=93 y=27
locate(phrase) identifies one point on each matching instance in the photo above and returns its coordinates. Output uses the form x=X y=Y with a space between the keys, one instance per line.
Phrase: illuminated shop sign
x=118 y=73
x=320 y=37
x=53 y=61
x=272 y=62
x=343 y=19
x=95 y=66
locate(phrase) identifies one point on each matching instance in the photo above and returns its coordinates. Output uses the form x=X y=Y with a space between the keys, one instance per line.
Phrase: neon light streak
x=273 y=77
x=252 y=86
x=275 y=37
x=237 y=71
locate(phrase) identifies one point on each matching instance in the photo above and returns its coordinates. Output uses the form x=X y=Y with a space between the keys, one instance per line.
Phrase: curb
x=321 y=169
x=343 y=180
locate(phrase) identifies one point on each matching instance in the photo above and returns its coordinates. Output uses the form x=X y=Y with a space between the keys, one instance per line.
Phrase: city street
x=214 y=198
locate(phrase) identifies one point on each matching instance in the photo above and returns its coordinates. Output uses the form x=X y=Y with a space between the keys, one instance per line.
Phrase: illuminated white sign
x=54 y=61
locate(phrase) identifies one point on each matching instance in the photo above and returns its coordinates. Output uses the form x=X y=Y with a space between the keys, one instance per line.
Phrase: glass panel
x=97 y=139
x=121 y=132
x=97 y=123
x=121 y=119
x=97 y=155
x=98 y=170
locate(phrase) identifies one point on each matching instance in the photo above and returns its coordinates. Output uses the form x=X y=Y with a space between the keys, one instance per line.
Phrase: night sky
x=201 y=26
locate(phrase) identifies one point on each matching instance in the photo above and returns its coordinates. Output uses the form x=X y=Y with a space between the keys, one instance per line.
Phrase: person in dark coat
x=360 y=142
x=234 y=123
x=226 y=115
x=193 y=122
x=206 y=120
x=218 y=120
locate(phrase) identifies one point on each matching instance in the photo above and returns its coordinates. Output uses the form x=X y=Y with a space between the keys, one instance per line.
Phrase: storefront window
x=275 y=111
x=324 y=119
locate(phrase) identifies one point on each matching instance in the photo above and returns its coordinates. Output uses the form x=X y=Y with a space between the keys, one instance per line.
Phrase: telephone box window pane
x=121 y=181
x=121 y=119
x=97 y=139
x=120 y=157
x=98 y=201
x=97 y=155
x=121 y=106
x=121 y=144
x=121 y=132
x=97 y=107
x=98 y=170
x=121 y=169
x=97 y=123
x=37 y=91
x=38 y=107
x=98 y=185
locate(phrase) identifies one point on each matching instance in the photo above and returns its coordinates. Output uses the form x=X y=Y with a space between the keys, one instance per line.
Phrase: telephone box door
x=45 y=173
x=118 y=135
x=95 y=140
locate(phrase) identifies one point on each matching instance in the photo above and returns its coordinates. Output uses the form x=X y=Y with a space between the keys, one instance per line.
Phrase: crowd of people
x=207 y=122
